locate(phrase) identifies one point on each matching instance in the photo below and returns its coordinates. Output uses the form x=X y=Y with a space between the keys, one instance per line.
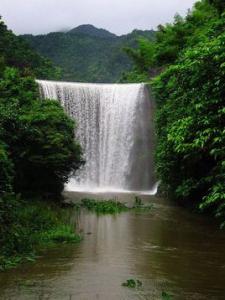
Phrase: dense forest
x=189 y=58
x=87 y=53
x=34 y=135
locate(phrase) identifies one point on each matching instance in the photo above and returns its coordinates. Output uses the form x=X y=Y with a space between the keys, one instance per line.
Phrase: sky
x=117 y=16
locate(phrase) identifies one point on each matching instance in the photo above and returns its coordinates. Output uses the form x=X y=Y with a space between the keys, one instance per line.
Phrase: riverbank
x=30 y=226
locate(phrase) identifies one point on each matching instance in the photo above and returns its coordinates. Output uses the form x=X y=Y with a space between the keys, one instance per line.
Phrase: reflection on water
x=167 y=249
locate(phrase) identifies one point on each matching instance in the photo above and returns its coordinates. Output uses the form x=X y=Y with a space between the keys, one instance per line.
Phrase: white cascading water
x=114 y=128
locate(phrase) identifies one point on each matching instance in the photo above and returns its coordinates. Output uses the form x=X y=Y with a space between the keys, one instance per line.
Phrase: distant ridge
x=87 y=53
x=92 y=31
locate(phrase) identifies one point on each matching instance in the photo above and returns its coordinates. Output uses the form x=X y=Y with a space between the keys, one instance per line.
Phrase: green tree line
x=186 y=64
x=38 y=151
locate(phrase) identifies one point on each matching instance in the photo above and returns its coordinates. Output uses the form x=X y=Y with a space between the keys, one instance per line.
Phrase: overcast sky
x=118 y=16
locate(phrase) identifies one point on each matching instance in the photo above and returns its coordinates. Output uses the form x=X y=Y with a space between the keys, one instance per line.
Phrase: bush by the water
x=28 y=225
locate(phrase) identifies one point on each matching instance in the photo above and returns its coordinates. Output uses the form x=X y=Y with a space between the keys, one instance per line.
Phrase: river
x=167 y=249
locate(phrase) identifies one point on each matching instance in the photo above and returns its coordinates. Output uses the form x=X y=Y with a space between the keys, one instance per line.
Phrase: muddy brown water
x=168 y=249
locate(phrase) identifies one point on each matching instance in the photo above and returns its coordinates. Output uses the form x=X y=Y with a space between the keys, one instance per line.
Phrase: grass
x=33 y=225
x=61 y=234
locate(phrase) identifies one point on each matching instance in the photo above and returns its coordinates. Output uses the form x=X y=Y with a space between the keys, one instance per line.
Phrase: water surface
x=167 y=249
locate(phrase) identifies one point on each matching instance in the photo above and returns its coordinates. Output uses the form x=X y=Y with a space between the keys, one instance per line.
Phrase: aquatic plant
x=132 y=283
x=104 y=206
x=113 y=206
x=139 y=205
x=61 y=234
x=166 y=296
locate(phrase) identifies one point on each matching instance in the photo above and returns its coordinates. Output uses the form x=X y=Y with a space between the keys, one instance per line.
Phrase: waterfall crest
x=115 y=129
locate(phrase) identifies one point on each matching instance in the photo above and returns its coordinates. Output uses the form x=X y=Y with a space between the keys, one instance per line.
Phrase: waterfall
x=115 y=130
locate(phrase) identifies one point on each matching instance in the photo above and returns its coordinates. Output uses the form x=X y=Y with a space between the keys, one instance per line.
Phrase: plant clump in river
x=104 y=206
x=112 y=206
x=132 y=283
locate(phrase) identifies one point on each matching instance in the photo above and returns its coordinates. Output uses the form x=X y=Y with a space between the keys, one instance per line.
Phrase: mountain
x=92 y=31
x=87 y=53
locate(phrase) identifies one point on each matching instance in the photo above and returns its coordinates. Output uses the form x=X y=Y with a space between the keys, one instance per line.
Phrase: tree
x=219 y=4
x=190 y=126
x=39 y=137
x=6 y=171
x=190 y=96
x=17 y=53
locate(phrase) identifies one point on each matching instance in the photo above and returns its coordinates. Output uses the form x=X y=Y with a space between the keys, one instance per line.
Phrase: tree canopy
x=189 y=56
x=37 y=145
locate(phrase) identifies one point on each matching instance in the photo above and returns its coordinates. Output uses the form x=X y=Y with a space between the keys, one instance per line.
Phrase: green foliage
x=113 y=206
x=171 y=40
x=143 y=55
x=132 y=283
x=137 y=284
x=48 y=148
x=37 y=154
x=190 y=121
x=39 y=136
x=104 y=206
x=17 y=53
x=61 y=234
x=6 y=171
x=166 y=296
x=86 y=53
x=139 y=205
x=143 y=61
x=219 y=4
x=190 y=93
x=26 y=226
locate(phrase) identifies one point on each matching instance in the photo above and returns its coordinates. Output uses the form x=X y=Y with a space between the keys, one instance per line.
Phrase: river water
x=167 y=248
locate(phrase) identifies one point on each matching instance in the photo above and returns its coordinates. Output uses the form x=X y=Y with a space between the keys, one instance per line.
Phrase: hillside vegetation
x=189 y=55
x=15 y=52
x=37 y=151
x=87 y=53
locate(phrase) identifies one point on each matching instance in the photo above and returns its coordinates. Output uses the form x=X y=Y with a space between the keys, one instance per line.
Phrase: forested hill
x=15 y=52
x=87 y=53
